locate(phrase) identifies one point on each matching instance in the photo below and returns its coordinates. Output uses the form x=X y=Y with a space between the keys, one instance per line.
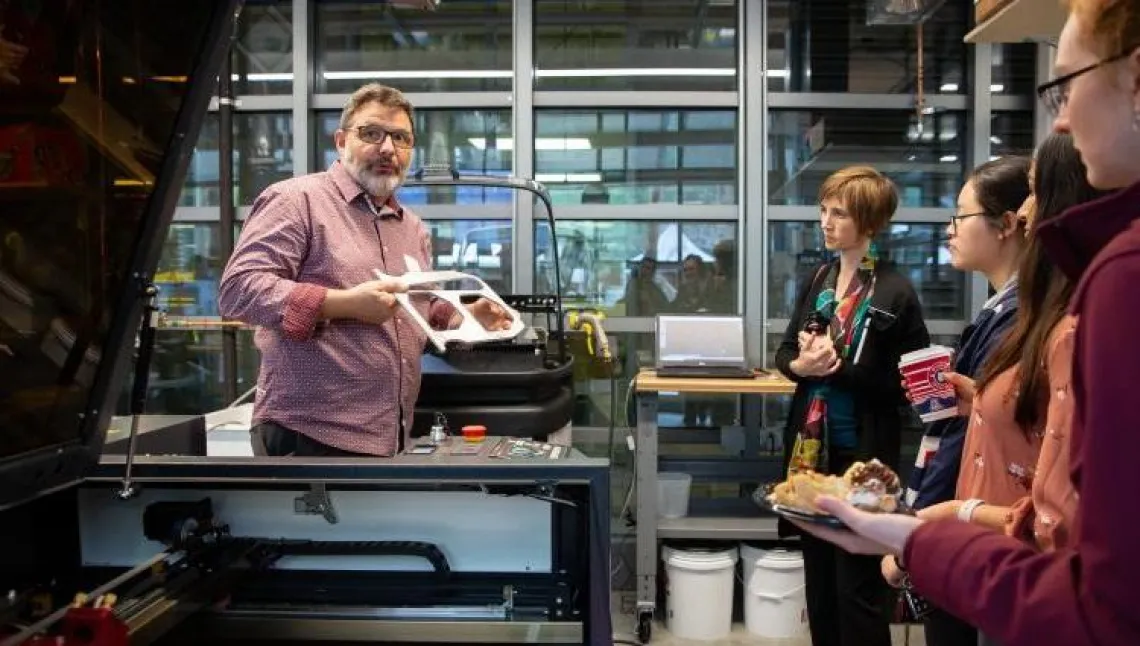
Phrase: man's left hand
x=490 y=315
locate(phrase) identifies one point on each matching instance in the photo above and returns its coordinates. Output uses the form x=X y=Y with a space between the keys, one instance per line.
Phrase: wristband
x=966 y=511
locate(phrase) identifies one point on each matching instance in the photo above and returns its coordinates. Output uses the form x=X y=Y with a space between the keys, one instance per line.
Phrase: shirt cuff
x=302 y=311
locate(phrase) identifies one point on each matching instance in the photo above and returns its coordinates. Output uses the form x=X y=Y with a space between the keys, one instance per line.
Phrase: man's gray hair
x=388 y=97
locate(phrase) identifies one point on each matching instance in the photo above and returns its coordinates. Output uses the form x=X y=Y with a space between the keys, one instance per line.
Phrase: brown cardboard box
x=983 y=9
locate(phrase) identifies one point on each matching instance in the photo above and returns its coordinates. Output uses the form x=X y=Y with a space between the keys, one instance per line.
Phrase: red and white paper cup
x=931 y=395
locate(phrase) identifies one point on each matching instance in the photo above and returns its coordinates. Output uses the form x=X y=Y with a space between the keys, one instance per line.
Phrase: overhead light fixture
x=264 y=77
x=948 y=87
x=948 y=159
x=997 y=87
x=541 y=143
x=901 y=12
x=418 y=74
x=423 y=5
x=568 y=178
x=364 y=75
x=637 y=71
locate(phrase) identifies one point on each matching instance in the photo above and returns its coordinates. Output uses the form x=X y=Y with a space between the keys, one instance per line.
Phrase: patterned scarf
x=847 y=317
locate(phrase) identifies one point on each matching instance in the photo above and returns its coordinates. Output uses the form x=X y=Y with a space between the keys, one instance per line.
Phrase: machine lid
x=99 y=109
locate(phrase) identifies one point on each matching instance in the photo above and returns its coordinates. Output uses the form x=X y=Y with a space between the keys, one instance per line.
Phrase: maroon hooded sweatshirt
x=1088 y=592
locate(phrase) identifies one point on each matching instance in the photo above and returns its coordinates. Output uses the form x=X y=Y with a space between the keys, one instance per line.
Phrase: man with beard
x=340 y=363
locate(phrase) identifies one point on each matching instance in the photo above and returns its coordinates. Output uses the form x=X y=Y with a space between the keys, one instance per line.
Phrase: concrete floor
x=625 y=632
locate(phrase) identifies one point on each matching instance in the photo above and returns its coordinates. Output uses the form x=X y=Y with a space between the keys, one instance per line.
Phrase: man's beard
x=381 y=186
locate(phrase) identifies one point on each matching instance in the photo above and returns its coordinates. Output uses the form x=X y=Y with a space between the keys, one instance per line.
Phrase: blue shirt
x=935 y=473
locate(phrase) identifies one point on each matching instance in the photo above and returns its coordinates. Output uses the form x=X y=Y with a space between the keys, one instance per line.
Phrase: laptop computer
x=701 y=346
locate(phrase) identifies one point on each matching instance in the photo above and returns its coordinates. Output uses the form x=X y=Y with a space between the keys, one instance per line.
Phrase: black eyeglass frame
x=954 y=219
x=1055 y=93
x=397 y=134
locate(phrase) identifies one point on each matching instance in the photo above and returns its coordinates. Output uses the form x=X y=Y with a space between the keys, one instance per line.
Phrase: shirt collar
x=1074 y=238
x=993 y=301
x=351 y=190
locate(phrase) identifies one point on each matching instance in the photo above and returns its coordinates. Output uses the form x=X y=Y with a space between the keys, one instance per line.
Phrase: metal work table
x=650 y=528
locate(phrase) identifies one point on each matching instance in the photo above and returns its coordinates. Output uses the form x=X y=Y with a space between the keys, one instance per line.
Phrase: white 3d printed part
x=469 y=330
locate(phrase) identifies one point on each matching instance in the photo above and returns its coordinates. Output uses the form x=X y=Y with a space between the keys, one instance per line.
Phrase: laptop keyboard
x=726 y=372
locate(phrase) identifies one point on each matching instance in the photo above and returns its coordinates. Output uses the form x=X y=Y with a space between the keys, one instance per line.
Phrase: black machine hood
x=101 y=102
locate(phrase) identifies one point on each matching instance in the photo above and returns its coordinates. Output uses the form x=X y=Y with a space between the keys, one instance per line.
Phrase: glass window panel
x=189 y=269
x=596 y=402
x=263 y=155
x=476 y=142
x=187 y=375
x=263 y=54
x=90 y=120
x=459 y=47
x=918 y=250
x=828 y=46
x=479 y=247
x=635 y=45
x=201 y=185
x=1014 y=68
x=1012 y=133
x=604 y=264
x=637 y=156
x=806 y=146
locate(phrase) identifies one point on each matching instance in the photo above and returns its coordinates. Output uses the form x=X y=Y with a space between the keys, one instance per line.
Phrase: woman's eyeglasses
x=1055 y=94
x=958 y=217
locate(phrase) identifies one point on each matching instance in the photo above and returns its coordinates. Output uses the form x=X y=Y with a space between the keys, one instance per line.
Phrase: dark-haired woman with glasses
x=986 y=235
x=853 y=319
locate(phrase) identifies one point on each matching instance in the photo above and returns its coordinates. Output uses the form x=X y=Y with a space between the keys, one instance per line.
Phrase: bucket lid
x=699 y=559
x=781 y=559
x=752 y=552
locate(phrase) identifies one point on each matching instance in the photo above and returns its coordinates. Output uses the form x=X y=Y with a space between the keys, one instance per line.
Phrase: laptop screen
x=700 y=341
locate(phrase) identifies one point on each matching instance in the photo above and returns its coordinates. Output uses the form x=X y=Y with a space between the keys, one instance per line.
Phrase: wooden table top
x=767 y=383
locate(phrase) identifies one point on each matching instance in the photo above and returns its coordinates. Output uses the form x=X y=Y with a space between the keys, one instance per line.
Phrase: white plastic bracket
x=470 y=330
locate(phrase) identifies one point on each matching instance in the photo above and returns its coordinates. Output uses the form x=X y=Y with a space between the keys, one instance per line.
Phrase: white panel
x=456 y=522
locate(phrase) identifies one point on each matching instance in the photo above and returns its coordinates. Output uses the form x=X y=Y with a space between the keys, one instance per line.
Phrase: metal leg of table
x=646 y=465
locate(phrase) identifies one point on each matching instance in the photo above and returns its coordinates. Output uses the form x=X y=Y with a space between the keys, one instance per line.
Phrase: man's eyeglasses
x=1055 y=94
x=373 y=134
x=958 y=217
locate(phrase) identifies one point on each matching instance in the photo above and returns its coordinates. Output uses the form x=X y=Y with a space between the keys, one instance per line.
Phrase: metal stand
x=139 y=388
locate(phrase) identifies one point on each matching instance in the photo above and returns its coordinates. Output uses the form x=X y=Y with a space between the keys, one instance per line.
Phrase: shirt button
x=385 y=249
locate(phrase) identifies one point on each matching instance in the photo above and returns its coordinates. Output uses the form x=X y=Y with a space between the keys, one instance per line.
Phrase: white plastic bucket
x=673 y=494
x=775 y=605
x=749 y=555
x=699 y=592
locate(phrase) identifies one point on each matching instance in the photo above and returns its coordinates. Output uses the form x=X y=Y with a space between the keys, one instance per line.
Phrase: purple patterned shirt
x=343 y=383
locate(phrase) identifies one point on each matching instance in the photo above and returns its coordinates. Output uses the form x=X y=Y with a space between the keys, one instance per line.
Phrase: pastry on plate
x=871 y=486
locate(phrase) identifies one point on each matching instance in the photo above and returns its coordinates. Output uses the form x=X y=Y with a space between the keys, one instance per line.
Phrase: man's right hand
x=369 y=302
